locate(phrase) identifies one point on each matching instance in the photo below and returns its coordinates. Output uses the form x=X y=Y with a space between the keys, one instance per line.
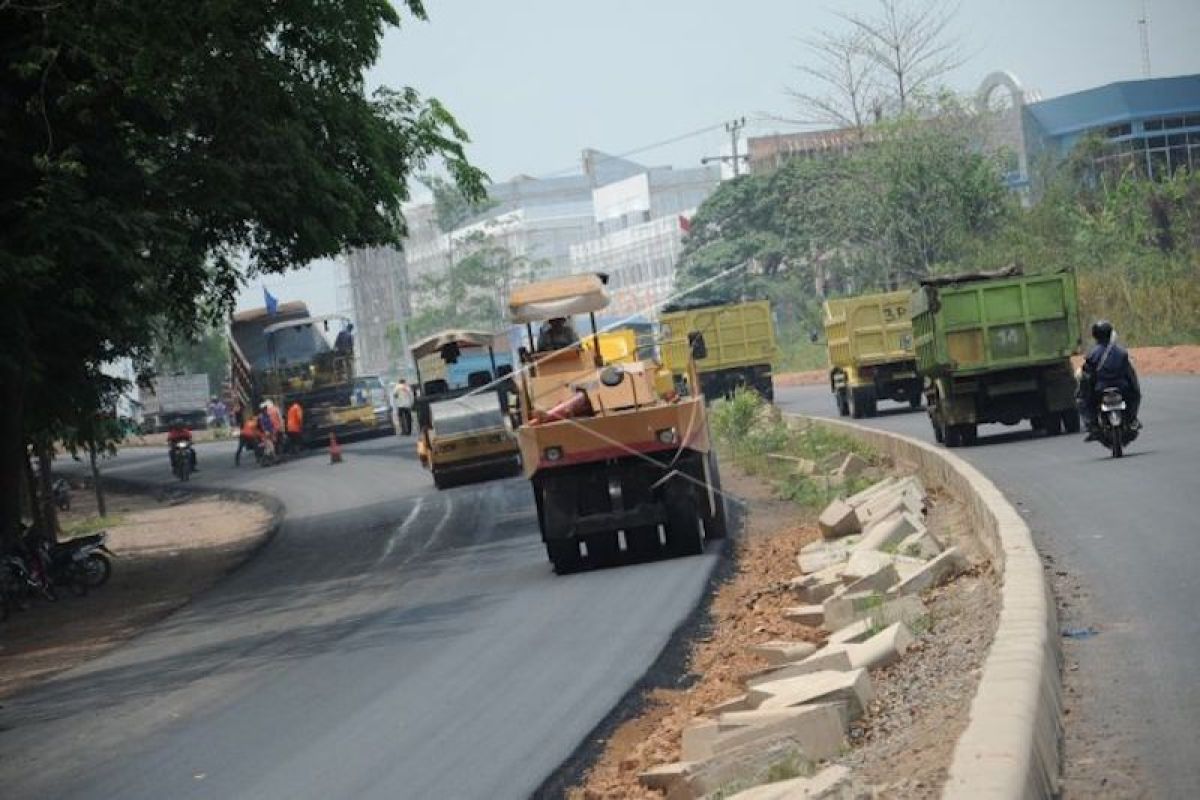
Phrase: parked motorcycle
x=62 y=494
x=182 y=459
x=1115 y=430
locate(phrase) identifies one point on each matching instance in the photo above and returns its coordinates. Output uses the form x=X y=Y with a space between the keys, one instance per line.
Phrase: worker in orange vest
x=247 y=439
x=295 y=426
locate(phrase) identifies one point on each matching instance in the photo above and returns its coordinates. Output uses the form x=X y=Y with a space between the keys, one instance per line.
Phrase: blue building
x=1153 y=124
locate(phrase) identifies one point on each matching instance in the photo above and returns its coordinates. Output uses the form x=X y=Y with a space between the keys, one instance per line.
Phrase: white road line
x=400 y=530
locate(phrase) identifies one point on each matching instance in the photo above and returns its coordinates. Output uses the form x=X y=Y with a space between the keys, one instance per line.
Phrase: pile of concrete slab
x=861 y=582
x=832 y=472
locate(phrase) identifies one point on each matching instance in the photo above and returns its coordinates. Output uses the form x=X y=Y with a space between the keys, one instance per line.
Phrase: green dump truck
x=996 y=347
x=740 y=343
x=871 y=357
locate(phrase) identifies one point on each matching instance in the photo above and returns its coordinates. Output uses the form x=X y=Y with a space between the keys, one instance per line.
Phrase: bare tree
x=909 y=43
x=846 y=68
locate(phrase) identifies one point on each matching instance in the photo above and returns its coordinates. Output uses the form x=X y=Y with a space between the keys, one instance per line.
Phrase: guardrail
x=1012 y=745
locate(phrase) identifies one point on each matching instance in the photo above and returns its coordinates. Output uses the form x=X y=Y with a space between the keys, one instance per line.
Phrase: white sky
x=536 y=81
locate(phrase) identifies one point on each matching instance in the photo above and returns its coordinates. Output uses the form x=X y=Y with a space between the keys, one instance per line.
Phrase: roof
x=558 y=297
x=463 y=338
x=1117 y=102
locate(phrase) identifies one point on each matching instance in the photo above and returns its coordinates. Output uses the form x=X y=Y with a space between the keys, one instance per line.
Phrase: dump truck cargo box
x=984 y=325
x=869 y=329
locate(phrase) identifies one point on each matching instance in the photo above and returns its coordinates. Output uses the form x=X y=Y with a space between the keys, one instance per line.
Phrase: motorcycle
x=62 y=494
x=1115 y=430
x=182 y=459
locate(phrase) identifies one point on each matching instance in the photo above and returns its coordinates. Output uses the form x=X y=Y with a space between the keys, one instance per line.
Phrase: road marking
x=400 y=530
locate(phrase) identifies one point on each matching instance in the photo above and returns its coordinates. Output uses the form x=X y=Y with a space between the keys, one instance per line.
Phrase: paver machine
x=621 y=464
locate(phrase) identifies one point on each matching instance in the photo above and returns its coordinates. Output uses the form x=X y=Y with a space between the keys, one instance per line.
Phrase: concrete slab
x=852 y=465
x=664 y=777
x=816 y=560
x=907 y=566
x=854 y=632
x=811 y=589
x=880 y=609
x=920 y=544
x=880 y=580
x=884 y=648
x=696 y=742
x=835 y=660
x=825 y=783
x=873 y=490
x=853 y=687
x=813 y=616
x=890 y=503
x=935 y=572
x=841 y=610
x=886 y=532
x=838 y=520
x=863 y=563
x=738 y=703
x=778 y=651
x=817 y=729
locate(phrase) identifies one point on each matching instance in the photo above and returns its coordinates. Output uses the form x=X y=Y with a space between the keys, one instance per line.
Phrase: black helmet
x=1102 y=331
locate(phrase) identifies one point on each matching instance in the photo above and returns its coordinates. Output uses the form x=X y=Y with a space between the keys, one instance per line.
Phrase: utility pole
x=733 y=128
x=1144 y=32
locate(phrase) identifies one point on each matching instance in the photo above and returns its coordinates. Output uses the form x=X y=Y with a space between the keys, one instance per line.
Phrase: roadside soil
x=903 y=748
x=167 y=553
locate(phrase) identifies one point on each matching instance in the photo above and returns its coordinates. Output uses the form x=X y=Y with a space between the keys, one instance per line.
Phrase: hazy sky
x=536 y=81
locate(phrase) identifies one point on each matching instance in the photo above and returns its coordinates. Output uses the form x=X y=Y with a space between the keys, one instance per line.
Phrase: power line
x=642 y=149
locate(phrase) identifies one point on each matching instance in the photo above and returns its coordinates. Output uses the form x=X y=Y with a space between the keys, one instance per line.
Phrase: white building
x=641 y=222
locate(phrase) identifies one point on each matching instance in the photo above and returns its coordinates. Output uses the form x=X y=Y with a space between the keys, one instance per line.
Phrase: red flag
x=685 y=224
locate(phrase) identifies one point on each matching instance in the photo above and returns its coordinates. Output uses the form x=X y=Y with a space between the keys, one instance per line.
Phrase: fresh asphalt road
x=391 y=641
x=1129 y=531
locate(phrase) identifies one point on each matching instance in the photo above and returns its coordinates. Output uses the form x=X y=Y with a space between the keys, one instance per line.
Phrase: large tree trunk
x=12 y=453
x=100 y=507
x=45 y=457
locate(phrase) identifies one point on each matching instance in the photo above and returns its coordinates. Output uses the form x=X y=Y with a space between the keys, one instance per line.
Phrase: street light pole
x=734 y=127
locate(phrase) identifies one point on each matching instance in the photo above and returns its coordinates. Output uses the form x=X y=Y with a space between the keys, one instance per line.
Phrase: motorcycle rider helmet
x=1102 y=331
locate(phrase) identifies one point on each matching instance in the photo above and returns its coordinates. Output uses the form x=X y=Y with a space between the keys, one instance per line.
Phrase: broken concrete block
x=853 y=687
x=854 y=632
x=830 y=554
x=885 y=647
x=886 y=533
x=907 y=566
x=871 y=491
x=778 y=652
x=813 y=589
x=837 y=520
x=818 y=729
x=831 y=462
x=829 y=782
x=851 y=466
x=841 y=610
x=880 y=580
x=863 y=563
x=696 y=742
x=935 y=572
x=738 y=703
x=836 y=660
x=812 y=616
x=746 y=762
x=801 y=466
x=920 y=544
x=880 y=609
x=665 y=777
x=888 y=504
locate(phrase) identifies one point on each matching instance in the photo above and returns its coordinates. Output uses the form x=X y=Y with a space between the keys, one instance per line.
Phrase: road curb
x=1012 y=745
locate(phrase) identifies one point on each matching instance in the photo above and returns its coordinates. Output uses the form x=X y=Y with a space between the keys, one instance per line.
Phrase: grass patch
x=749 y=430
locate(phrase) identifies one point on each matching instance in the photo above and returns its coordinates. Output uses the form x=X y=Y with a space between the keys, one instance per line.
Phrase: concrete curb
x=1012 y=745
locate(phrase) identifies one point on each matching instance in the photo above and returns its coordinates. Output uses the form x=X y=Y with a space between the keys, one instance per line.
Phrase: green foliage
x=155 y=152
x=470 y=294
x=906 y=202
x=208 y=353
x=451 y=205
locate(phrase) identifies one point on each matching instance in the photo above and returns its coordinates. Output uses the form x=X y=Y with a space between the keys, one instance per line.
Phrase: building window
x=1117 y=131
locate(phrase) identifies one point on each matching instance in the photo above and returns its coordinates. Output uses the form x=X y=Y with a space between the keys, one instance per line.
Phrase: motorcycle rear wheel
x=97 y=569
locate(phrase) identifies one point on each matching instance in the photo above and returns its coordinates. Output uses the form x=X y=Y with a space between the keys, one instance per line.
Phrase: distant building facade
x=378 y=294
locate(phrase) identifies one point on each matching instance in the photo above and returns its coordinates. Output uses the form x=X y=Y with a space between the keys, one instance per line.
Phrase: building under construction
x=378 y=294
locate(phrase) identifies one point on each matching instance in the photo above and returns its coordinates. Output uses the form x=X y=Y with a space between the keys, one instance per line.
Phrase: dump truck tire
x=716 y=525
x=564 y=555
x=843 y=405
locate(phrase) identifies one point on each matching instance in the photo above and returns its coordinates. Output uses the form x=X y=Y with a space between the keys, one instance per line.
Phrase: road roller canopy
x=461 y=338
x=558 y=297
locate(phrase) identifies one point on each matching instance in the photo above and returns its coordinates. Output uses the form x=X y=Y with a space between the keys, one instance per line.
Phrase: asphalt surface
x=1128 y=532
x=390 y=641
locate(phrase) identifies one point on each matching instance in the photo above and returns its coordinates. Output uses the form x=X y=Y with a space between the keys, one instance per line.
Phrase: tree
x=908 y=42
x=844 y=67
x=451 y=206
x=208 y=353
x=153 y=146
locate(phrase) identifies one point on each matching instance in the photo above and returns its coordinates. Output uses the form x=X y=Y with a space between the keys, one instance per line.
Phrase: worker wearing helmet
x=1108 y=366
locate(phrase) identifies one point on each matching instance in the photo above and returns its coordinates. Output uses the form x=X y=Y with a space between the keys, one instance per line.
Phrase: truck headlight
x=667 y=436
x=553 y=453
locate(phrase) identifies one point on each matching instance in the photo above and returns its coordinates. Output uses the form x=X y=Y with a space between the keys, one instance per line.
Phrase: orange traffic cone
x=335 y=449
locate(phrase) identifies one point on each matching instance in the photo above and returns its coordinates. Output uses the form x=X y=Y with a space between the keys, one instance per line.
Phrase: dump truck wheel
x=938 y=435
x=843 y=405
x=684 y=537
x=855 y=403
x=952 y=436
x=603 y=550
x=442 y=481
x=564 y=555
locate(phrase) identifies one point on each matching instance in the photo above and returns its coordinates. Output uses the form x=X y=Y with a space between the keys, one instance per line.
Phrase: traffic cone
x=335 y=449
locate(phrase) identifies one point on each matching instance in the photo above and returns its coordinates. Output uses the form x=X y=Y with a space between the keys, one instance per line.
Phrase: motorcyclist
x=180 y=432
x=1107 y=366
